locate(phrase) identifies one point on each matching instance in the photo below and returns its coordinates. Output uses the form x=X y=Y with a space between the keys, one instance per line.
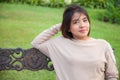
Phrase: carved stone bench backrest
x=20 y=59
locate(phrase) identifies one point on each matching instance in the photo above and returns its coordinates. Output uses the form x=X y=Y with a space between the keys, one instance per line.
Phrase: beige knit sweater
x=77 y=59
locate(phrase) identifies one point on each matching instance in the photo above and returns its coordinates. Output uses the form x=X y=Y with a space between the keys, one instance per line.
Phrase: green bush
x=56 y=3
x=92 y=3
x=50 y=3
x=61 y=3
x=113 y=12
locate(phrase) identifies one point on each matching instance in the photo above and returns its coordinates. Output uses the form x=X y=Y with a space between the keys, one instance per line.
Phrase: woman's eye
x=75 y=22
x=85 y=20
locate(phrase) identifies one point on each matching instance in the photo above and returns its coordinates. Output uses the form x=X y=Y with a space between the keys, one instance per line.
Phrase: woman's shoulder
x=103 y=41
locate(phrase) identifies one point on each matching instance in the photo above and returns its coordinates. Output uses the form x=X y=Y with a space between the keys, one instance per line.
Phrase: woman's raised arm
x=46 y=35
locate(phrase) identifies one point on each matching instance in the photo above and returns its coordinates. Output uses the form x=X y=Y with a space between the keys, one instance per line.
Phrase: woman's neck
x=83 y=38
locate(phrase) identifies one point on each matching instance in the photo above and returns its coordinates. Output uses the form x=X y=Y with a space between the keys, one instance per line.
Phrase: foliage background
x=111 y=15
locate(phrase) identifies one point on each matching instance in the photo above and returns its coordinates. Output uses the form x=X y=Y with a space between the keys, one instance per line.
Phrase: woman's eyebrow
x=84 y=18
x=78 y=19
x=75 y=19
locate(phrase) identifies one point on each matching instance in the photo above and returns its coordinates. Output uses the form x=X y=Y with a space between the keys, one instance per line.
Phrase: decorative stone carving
x=19 y=59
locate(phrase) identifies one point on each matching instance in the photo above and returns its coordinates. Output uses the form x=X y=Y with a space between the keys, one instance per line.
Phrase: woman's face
x=79 y=26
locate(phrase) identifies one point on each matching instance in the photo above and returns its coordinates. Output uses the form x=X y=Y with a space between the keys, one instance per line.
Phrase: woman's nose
x=81 y=25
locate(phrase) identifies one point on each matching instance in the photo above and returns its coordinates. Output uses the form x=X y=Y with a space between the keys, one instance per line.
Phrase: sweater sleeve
x=111 y=72
x=41 y=41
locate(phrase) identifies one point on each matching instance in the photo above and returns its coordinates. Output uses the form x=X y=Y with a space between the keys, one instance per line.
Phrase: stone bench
x=20 y=59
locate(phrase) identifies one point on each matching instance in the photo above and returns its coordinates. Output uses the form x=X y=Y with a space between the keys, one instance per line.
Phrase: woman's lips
x=82 y=30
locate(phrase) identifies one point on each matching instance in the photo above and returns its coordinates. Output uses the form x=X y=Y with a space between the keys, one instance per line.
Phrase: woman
x=75 y=55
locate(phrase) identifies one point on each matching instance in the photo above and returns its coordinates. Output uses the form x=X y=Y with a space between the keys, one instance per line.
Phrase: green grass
x=19 y=24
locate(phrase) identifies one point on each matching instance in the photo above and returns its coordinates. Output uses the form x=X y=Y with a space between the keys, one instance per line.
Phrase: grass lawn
x=19 y=24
